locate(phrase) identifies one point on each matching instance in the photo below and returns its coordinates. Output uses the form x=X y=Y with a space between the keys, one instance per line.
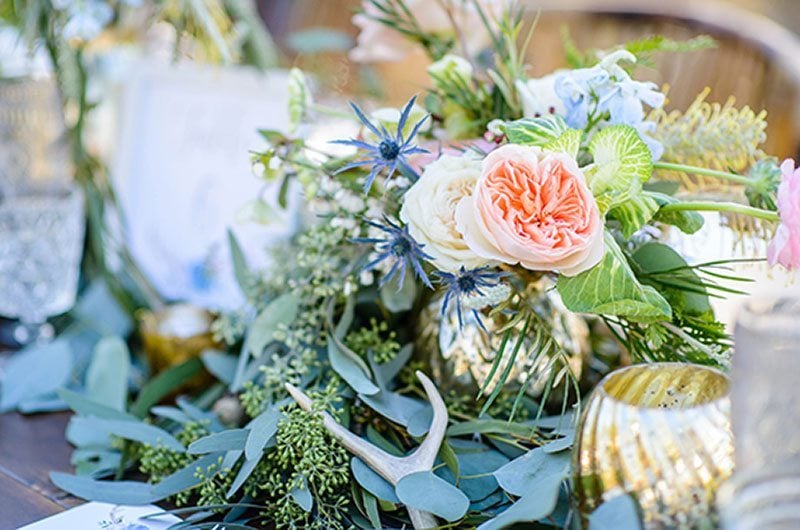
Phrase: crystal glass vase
x=661 y=433
x=34 y=151
x=765 y=405
x=41 y=243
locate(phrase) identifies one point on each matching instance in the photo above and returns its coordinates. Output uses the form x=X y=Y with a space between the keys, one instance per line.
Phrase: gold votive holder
x=174 y=335
x=661 y=433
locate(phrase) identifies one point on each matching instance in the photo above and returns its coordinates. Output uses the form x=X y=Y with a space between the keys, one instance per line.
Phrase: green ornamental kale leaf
x=611 y=288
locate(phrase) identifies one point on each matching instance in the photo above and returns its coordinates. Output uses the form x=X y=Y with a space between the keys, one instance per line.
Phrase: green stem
x=732 y=177
x=704 y=206
x=330 y=111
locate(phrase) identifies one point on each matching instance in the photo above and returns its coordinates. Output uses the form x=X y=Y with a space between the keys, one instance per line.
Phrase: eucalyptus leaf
x=107 y=376
x=230 y=440
x=98 y=309
x=244 y=473
x=371 y=507
x=95 y=462
x=261 y=429
x=185 y=478
x=420 y=422
x=171 y=413
x=535 y=470
x=302 y=496
x=611 y=288
x=220 y=365
x=615 y=514
x=240 y=269
x=113 y=492
x=427 y=492
x=561 y=444
x=138 y=431
x=163 y=384
x=372 y=482
x=396 y=407
x=279 y=313
x=476 y=468
x=84 y=432
x=35 y=371
x=398 y=298
x=534 y=505
x=386 y=372
x=83 y=405
x=350 y=367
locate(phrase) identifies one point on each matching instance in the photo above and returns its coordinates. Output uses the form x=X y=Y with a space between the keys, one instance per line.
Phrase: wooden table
x=30 y=448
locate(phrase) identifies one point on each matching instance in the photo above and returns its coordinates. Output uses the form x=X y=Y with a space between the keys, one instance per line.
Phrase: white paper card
x=182 y=172
x=103 y=516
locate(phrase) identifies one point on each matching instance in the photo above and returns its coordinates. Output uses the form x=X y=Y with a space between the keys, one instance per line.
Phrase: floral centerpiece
x=504 y=227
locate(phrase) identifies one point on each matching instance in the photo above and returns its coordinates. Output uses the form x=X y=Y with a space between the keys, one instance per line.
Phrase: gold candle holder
x=175 y=334
x=661 y=433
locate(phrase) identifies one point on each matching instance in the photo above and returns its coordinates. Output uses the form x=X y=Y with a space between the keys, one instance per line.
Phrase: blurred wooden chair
x=757 y=60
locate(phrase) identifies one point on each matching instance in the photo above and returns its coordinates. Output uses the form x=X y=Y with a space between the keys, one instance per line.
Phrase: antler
x=390 y=467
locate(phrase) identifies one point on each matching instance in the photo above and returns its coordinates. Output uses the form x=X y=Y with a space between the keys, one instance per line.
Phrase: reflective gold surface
x=660 y=432
x=462 y=359
x=175 y=334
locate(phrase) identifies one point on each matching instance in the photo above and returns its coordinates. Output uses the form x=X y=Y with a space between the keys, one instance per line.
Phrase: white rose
x=539 y=96
x=429 y=211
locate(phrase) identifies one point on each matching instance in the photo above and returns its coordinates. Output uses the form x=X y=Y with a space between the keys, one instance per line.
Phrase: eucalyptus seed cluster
x=376 y=338
x=305 y=457
x=216 y=482
x=158 y=462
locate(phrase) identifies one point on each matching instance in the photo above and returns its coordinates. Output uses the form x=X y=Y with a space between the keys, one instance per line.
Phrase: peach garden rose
x=534 y=209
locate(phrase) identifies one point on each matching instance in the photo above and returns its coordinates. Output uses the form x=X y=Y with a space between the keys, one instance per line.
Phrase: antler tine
x=379 y=460
x=425 y=455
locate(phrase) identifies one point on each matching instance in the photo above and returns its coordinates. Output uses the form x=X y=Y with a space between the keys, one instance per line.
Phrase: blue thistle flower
x=399 y=247
x=467 y=283
x=390 y=151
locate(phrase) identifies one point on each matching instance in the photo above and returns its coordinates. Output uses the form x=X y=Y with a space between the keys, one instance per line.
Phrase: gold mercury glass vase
x=661 y=433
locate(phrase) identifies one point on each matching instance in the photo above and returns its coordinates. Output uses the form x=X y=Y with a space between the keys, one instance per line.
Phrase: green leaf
x=229 y=440
x=163 y=384
x=107 y=376
x=536 y=131
x=535 y=470
x=686 y=221
x=656 y=257
x=244 y=473
x=123 y=492
x=427 y=492
x=279 y=313
x=393 y=406
x=622 y=163
x=185 y=478
x=619 y=512
x=302 y=496
x=634 y=213
x=490 y=426
x=476 y=467
x=611 y=288
x=399 y=300
x=262 y=428
x=568 y=143
x=221 y=365
x=532 y=506
x=98 y=309
x=139 y=432
x=83 y=405
x=372 y=482
x=171 y=413
x=371 y=507
x=385 y=372
x=35 y=371
x=350 y=367
x=240 y=269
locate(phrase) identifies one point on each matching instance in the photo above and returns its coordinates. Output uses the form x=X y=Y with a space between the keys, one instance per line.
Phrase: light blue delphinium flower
x=606 y=95
x=400 y=250
x=390 y=150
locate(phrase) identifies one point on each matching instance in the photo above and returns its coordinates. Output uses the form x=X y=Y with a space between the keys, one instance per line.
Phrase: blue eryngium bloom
x=390 y=150
x=402 y=251
x=467 y=283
